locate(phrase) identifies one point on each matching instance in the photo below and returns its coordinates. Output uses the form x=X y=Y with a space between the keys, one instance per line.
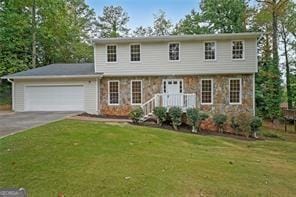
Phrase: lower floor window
x=206 y=91
x=113 y=92
x=136 y=89
x=234 y=91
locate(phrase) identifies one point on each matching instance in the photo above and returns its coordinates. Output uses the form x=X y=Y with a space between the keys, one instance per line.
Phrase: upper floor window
x=235 y=91
x=111 y=53
x=113 y=92
x=237 y=49
x=206 y=91
x=135 y=51
x=136 y=89
x=174 y=50
x=210 y=50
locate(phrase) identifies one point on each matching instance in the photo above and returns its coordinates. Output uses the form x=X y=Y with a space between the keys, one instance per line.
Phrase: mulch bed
x=185 y=128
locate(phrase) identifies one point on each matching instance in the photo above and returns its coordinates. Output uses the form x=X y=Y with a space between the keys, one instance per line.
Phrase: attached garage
x=54 y=98
x=56 y=87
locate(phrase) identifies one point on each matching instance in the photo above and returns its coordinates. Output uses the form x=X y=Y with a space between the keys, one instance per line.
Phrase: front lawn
x=80 y=158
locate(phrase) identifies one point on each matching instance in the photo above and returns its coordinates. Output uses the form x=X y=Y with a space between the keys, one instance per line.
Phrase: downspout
x=12 y=92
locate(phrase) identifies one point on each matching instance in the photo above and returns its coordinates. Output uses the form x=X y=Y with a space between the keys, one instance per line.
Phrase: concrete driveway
x=15 y=122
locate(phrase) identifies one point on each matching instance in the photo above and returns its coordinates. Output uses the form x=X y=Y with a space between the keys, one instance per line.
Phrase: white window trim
x=166 y=80
x=240 y=92
x=132 y=92
x=106 y=53
x=109 y=92
x=212 y=91
x=179 y=60
x=204 y=50
x=244 y=50
x=135 y=62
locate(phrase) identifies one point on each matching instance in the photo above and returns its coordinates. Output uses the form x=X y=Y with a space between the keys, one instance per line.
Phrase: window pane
x=210 y=50
x=237 y=50
x=174 y=51
x=136 y=92
x=135 y=52
x=111 y=53
x=206 y=91
x=114 y=92
x=234 y=91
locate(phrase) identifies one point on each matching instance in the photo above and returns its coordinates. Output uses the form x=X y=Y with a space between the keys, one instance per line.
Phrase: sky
x=141 y=11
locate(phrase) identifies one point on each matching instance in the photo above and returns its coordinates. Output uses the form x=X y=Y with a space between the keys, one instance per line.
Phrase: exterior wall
x=90 y=88
x=155 y=62
x=153 y=85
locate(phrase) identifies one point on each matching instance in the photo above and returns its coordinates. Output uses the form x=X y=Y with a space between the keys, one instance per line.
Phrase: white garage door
x=54 y=98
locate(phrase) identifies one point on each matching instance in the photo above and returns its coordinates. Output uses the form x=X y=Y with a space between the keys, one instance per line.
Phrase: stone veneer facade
x=191 y=84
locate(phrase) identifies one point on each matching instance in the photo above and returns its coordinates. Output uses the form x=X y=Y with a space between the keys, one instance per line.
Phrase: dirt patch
x=5 y=107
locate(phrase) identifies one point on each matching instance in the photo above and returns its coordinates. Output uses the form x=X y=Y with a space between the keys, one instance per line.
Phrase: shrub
x=234 y=124
x=256 y=123
x=193 y=114
x=244 y=123
x=175 y=114
x=161 y=114
x=136 y=115
x=219 y=120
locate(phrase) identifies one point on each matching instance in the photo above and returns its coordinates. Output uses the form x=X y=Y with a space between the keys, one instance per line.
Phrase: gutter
x=12 y=92
x=53 y=76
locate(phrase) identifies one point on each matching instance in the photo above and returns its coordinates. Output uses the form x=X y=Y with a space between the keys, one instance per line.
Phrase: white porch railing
x=184 y=101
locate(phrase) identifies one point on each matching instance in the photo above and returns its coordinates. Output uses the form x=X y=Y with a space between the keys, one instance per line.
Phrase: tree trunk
x=34 y=34
x=285 y=42
x=275 y=35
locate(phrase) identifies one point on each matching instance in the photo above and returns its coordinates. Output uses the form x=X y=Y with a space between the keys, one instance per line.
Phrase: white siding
x=90 y=91
x=154 y=59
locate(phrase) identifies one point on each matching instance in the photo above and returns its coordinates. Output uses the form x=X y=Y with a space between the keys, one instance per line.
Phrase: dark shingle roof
x=57 y=70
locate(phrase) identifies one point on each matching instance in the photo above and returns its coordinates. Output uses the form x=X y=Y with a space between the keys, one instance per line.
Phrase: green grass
x=81 y=158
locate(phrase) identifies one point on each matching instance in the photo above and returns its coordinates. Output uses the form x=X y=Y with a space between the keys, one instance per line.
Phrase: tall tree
x=143 y=31
x=33 y=33
x=224 y=16
x=191 y=24
x=162 y=25
x=113 y=22
x=286 y=30
x=275 y=7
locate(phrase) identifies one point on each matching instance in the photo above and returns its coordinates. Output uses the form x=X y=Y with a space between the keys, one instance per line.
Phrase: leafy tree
x=113 y=22
x=161 y=25
x=143 y=31
x=191 y=24
x=15 y=47
x=225 y=16
x=268 y=90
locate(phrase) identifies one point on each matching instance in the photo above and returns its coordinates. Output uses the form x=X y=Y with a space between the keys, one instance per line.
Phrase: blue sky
x=141 y=11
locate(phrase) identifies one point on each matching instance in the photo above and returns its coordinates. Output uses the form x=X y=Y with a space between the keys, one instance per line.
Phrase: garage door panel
x=54 y=98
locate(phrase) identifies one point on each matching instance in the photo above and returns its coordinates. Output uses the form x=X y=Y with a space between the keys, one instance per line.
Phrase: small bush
x=161 y=114
x=175 y=114
x=136 y=115
x=256 y=123
x=219 y=120
x=192 y=115
x=244 y=123
x=234 y=124
x=195 y=117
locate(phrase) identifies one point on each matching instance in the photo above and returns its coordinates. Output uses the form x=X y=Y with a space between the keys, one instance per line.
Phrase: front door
x=172 y=89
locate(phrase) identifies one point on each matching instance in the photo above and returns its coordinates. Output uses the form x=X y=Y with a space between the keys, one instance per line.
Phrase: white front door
x=173 y=92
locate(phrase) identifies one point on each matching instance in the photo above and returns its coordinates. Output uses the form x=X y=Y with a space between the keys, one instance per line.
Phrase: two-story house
x=214 y=72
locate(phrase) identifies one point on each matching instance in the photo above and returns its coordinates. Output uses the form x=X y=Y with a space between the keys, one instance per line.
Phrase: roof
x=221 y=36
x=56 y=71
